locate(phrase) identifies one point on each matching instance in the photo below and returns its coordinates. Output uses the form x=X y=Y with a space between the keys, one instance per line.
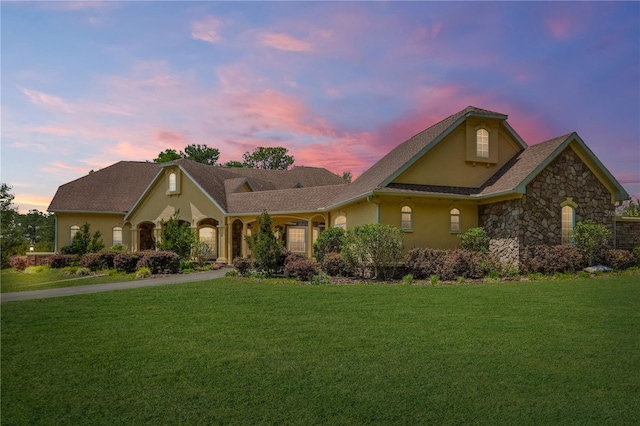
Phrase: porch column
x=245 y=248
x=309 y=239
x=222 y=247
x=134 y=238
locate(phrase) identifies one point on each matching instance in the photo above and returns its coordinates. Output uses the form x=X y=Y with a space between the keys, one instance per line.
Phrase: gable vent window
x=173 y=182
x=407 y=218
x=482 y=143
x=454 y=220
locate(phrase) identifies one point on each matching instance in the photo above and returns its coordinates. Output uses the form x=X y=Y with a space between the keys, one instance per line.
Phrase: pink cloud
x=207 y=29
x=282 y=41
x=46 y=100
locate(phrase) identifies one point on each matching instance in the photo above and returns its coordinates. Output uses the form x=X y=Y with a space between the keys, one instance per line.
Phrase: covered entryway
x=146 y=236
x=208 y=234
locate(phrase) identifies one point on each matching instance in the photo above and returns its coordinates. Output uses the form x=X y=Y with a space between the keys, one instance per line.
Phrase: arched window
x=340 y=222
x=173 y=182
x=73 y=231
x=454 y=220
x=208 y=235
x=406 y=221
x=116 y=233
x=482 y=143
x=568 y=222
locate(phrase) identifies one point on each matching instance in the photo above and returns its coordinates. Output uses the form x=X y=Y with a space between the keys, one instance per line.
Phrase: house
x=470 y=169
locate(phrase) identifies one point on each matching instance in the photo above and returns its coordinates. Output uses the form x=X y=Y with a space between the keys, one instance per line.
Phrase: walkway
x=98 y=288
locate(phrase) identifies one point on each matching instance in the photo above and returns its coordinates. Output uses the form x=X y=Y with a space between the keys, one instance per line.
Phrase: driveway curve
x=98 y=288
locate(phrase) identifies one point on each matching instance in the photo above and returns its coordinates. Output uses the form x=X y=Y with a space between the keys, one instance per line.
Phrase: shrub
x=177 y=236
x=202 y=253
x=551 y=259
x=126 y=262
x=242 y=265
x=119 y=248
x=320 y=279
x=18 y=262
x=302 y=269
x=618 y=259
x=290 y=257
x=83 y=242
x=143 y=273
x=475 y=239
x=265 y=247
x=97 y=261
x=160 y=262
x=329 y=241
x=373 y=250
x=423 y=262
x=58 y=261
x=591 y=239
x=334 y=265
x=83 y=271
x=636 y=255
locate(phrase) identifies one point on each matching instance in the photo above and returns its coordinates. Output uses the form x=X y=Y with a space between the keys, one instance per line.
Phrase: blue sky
x=87 y=84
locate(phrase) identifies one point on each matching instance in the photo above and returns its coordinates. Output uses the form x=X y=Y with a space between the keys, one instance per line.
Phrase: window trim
x=113 y=235
x=304 y=236
x=482 y=143
x=173 y=182
x=406 y=210
x=455 y=213
x=566 y=235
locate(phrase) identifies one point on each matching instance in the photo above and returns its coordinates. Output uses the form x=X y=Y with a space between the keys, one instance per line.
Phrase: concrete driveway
x=97 y=288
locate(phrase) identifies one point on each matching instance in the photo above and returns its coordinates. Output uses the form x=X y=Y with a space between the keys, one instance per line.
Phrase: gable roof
x=120 y=187
x=113 y=189
x=408 y=152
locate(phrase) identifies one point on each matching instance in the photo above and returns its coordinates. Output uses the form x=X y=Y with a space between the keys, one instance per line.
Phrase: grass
x=45 y=278
x=240 y=352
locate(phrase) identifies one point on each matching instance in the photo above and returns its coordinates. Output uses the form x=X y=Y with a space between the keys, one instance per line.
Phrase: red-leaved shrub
x=618 y=259
x=160 y=262
x=551 y=259
x=301 y=268
x=58 y=261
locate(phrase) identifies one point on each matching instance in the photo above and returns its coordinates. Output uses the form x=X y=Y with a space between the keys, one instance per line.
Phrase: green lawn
x=240 y=352
x=11 y=281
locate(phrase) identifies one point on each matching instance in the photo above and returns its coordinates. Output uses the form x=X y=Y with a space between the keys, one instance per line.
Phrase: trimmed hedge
x=98 y=261
x=618 y=259
x=160 y=262
x=334 y=265
x=59 y=261
x=126 y=262
x=551 y=259
x=300 y=268
x=449 y=265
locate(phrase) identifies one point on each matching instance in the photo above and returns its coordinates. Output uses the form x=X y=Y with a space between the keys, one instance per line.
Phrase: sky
x=339 y=84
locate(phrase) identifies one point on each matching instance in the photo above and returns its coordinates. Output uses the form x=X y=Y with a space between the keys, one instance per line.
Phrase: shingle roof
x=112 y=189
x=294 y=199
x=395 y=160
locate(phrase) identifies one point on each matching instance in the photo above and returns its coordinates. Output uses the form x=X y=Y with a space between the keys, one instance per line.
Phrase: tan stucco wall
x=359 y=213
x=445 y=164
x=158 y=205
x=102 y=222
x=431 y=220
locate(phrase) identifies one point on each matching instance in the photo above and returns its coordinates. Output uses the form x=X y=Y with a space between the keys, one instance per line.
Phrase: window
x=74 y=231
x=207 y=235
x=173 y=182
x=455 y=220
x=296 y=239
x=482 y=143
x=406 y=221
x=568 y=222
x=340 y=222
x=117 y=235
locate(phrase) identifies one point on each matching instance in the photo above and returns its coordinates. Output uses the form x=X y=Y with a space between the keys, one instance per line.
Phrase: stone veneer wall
x=536 y=218
x=503 y=223
x=566 y=177
x=627 y=232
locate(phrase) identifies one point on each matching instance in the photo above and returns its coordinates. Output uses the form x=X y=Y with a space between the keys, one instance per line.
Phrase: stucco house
x=470 y=169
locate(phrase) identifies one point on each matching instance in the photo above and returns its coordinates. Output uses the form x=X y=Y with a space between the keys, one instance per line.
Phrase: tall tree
x=346 y=177
x=201 y=154
x=167 y=155
x=234 y=163
x=274 y=158
x=11 y=240
x=39 y=229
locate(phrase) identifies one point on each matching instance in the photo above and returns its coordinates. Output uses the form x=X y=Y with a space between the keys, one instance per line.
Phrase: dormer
x=482 y=140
